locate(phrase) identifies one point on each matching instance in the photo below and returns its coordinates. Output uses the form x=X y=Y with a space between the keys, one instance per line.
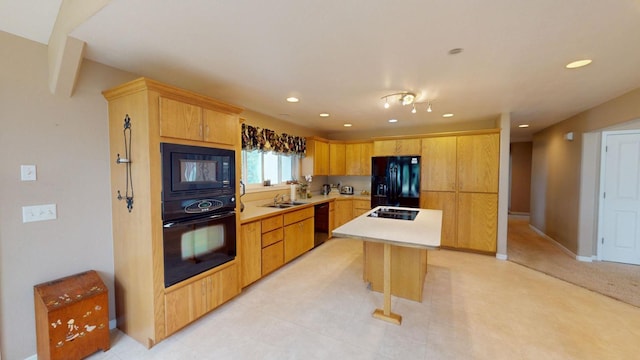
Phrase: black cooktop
x=400 y=214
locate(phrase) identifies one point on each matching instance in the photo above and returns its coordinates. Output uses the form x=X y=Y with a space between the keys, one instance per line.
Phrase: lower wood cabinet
x=469 y=220
x=298 y=233
x=477 y=221
x=192 y=299
x=250 y=252
x=360 y=207
x=272 y=257
x=343 y=211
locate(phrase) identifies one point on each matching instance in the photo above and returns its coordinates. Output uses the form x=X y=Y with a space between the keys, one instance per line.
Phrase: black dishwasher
x=321 y=224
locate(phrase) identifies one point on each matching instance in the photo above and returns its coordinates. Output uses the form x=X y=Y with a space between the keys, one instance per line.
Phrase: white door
x=620 y=240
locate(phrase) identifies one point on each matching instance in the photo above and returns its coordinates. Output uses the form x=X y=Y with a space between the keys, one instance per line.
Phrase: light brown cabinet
x=250 y=252
x=460 y=177
x=272 y=244
x=337 y=164
x=182 y=120
x=358 y=158
x=439 y=165
x=145 y=310
x=396 y=147
x=316 y=161
x=478 y=163
x=343 y=211
x=298 y=233
x=360 y=207
x=477 y=221
x=189 y=301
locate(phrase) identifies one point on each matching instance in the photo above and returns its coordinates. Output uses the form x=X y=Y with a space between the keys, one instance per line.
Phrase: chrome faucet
x=275 y=199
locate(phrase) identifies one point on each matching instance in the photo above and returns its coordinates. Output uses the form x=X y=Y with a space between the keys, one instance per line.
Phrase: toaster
x=346 y=190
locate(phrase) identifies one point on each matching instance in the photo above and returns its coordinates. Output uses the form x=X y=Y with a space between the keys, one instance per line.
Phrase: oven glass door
x=197 y=245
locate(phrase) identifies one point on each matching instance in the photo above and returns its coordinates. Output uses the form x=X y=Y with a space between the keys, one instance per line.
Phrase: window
x=258 y=166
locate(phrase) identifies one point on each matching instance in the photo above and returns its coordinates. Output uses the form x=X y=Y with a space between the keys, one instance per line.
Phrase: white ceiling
x=341 y=57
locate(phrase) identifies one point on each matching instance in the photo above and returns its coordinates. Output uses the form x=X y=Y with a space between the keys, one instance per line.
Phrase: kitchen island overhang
x=409 y=232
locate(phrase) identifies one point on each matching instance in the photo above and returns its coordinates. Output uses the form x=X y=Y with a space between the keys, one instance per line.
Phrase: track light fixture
x=405 y=98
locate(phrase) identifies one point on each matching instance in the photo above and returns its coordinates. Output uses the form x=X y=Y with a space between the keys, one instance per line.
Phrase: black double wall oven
x=198 y=209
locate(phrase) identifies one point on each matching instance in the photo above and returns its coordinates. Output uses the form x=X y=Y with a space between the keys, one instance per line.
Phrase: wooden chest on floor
x=72 y=317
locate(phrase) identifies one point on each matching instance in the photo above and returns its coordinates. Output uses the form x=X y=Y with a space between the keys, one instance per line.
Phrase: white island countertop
x=422 y=232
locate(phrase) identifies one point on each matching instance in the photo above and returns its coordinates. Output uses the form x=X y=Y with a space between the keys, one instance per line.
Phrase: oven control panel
x=204 y=205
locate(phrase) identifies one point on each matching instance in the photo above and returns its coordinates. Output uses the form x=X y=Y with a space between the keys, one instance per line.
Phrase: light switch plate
x=39 y=213
x=28 y=172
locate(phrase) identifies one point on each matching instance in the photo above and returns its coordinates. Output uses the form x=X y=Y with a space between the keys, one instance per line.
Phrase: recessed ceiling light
x=523 y=125
x=324 y=115
x=447 y=115
x=347 y=125
x=578 y=63
x=393 y=120
x=293 y=99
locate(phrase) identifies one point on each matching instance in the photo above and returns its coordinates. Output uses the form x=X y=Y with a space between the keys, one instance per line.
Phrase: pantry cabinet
x=146 y=310
x=460 y=177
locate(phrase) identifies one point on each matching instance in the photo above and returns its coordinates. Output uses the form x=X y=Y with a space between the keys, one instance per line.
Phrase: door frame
x=603 y=163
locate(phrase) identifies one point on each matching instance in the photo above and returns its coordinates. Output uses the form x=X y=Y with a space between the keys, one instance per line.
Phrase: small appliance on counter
x=326 y=189
x=346 y=190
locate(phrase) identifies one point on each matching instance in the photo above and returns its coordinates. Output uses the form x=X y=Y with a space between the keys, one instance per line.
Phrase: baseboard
x=561 y=247
x=501 y=256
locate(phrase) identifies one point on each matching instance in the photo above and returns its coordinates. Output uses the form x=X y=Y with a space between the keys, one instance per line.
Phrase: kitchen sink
x=284 y=205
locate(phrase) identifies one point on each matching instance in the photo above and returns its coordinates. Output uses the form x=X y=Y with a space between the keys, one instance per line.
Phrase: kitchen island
x=408 y=232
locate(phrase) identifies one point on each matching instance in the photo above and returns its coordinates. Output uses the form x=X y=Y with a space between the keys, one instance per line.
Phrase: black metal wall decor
x=127 y=161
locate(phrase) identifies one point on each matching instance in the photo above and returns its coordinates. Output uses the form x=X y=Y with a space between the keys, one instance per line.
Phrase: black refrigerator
x=395 y=181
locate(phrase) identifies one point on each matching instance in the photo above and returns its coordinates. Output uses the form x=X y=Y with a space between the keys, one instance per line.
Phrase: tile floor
x=474 y=307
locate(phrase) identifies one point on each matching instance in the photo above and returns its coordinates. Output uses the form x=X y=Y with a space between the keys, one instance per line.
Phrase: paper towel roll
x=293 y=192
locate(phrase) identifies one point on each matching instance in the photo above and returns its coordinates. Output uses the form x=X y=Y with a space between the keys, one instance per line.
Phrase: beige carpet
x=526 y=247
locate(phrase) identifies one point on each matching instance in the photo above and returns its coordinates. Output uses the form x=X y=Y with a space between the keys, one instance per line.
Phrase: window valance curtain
x=255 y=138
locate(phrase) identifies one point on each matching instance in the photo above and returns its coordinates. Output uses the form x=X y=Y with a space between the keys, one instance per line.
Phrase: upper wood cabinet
x=181 y=120
x=396 y=147
x=439 y=170
x=316 y=161
x=337 y=164
x=358 y=158
x=219 y=127
x=478 y=162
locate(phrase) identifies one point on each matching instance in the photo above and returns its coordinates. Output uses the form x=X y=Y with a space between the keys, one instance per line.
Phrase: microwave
x=190 y=172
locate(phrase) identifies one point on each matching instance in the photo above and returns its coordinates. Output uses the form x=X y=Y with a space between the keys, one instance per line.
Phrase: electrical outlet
x=39 y=213
x=28 y=172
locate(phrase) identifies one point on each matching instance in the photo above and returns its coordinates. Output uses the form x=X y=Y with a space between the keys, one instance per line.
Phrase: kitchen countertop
x=255 y=210
x=423 y=232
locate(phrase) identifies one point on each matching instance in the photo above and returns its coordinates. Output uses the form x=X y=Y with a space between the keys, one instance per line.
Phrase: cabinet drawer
x=272 y=257
x=272 y=237
x=271 y=223
x=295 y=216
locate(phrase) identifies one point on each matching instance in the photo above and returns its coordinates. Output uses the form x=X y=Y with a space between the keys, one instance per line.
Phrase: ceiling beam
x=65 y=53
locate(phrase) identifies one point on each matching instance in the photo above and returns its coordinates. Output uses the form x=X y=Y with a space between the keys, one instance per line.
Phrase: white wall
x=67 y=140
